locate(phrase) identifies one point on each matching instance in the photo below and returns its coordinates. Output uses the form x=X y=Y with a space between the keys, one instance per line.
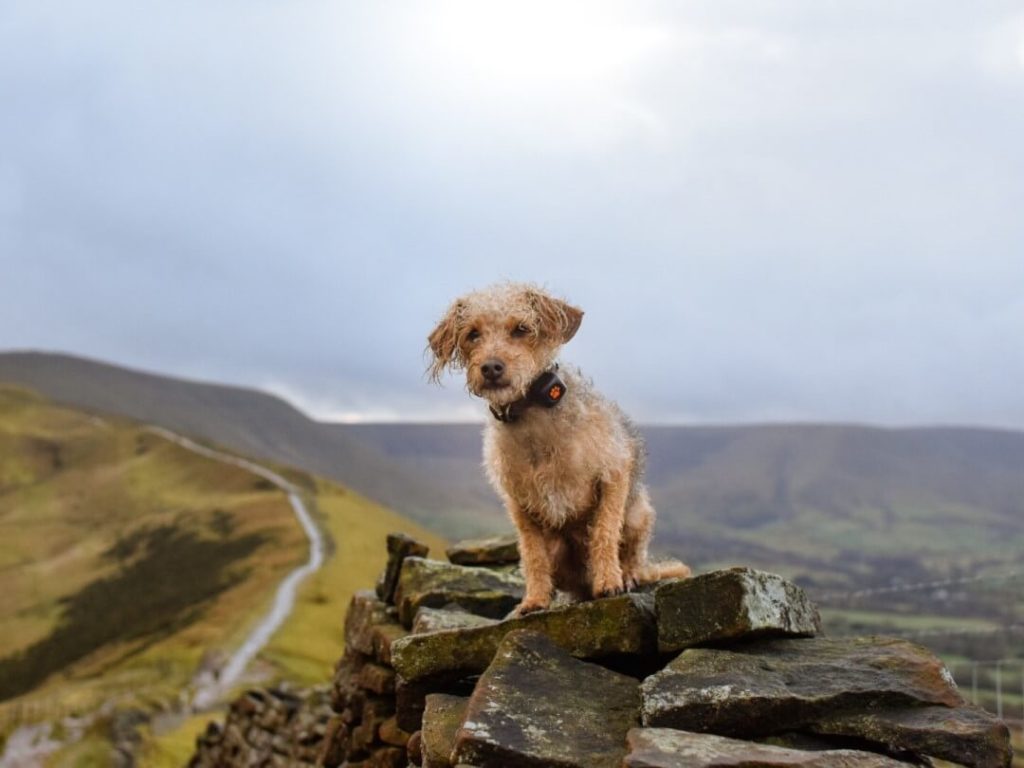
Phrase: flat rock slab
x=365 y=616
x=495 y=550
x=436 y=619
x=731 y=604
x=589 y=630
x=771 y=686
x=442 y=718
x=538 y=706
x=435 y=584
x=400 y=547
x=667 y=748
x=965 y=735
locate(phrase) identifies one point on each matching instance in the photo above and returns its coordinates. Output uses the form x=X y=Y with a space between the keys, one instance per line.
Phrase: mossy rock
x=400 y=546
x=731 y=604
x=435 y=584
x=668 y=748
x=771 y=686
x=964 y=735
x=594 y=629
x=442 y=718
x=538 y=706
x=494 y=550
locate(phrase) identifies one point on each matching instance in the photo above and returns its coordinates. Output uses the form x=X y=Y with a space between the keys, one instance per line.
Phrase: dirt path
x=209 y=690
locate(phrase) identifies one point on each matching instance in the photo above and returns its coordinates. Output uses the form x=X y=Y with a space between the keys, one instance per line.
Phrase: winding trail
x=209 y=691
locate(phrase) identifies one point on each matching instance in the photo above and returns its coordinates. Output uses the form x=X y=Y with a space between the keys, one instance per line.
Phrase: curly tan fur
x=570 y=476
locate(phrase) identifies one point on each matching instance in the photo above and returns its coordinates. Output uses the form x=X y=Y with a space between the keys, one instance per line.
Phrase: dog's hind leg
x=636 y=536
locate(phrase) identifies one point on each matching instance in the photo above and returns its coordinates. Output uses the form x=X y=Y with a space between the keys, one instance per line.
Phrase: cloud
x=786 y=210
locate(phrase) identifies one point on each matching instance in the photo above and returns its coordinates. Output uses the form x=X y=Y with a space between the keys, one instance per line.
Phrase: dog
x=567 y=462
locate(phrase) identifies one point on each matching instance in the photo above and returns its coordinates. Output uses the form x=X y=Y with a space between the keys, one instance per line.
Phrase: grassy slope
x=71 y=488
x=90 y=507
x=307 y=647
x=252 y=423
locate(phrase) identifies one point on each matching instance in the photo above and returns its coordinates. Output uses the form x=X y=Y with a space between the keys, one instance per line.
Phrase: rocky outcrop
x=724 y=669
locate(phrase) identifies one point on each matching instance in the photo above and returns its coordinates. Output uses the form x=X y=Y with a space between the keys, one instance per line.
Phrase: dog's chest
x=552 y=479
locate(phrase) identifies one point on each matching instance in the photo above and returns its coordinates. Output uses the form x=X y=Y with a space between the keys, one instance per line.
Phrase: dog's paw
x=529 y=606
x=608 y=587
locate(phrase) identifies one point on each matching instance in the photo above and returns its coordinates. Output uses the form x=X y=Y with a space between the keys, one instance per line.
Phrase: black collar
x=547 y=390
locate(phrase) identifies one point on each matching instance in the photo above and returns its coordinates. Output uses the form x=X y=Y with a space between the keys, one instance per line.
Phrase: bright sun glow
x=530 y=43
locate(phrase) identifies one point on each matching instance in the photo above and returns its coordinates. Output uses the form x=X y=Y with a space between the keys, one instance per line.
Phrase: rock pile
x=723 y=669
x=268 y=727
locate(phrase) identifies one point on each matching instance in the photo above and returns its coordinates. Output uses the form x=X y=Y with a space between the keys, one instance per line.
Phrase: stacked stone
x=376 y=714
x=723 y=669
x=271 y=728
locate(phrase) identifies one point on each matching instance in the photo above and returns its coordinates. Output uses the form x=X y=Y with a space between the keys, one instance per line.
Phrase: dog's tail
x=666 y=569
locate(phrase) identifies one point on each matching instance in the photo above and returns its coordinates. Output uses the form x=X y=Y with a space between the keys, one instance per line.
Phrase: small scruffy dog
x=567 y=462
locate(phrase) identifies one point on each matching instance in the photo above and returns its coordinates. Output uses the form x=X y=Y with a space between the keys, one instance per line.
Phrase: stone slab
x=436 y=619
x=493 y=550
x=435 y=584
x=538 y=706
x=771 y=686
x=731 y=604
x=965 y=735
x=442 y=719
x=400 y=546
x=592 y=629
x=668 y=748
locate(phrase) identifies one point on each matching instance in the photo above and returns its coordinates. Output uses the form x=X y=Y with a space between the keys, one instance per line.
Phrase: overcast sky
x=769 y=210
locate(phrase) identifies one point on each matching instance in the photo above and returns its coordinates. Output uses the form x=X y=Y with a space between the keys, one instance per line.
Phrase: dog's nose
x=492 y=369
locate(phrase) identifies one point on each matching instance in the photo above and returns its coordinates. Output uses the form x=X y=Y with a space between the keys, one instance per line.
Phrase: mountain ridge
x=831 y=503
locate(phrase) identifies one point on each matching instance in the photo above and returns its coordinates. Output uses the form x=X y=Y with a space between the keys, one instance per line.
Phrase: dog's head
x=504 y=337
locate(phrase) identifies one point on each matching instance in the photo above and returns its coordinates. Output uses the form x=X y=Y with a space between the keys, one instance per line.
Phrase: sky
x=769 y=210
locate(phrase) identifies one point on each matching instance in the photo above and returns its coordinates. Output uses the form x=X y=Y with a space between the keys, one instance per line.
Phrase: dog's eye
x=473 y=335
x=519 y=331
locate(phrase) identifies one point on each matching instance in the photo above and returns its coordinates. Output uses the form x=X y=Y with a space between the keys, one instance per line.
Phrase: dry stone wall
x=724 y=669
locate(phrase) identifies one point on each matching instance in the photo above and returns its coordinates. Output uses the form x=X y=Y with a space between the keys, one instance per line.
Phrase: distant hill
x=254 y=424
x=831 y=504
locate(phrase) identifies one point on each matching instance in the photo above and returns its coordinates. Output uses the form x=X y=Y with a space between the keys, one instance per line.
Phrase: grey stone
x=667 y=748
x=400 y=546
x=442 y=719
x=538 y=706
x=965 y=735
x=434 y=584
x=494 y=550
x=436 y=619
x=592 y=629
x=731 y=604
x=770 y=686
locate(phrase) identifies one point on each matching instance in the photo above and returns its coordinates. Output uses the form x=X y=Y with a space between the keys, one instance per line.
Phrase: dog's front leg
x=533 y=553
x=606 y=537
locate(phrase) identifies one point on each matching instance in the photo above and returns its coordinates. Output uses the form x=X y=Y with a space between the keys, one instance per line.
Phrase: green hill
x=128 y=563
x=251 y=423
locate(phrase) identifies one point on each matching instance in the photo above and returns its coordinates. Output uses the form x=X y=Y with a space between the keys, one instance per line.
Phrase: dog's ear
x=557 y=318
x=444 y=342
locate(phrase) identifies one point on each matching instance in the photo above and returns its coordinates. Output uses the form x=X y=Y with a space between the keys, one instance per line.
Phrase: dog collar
x=547 y=390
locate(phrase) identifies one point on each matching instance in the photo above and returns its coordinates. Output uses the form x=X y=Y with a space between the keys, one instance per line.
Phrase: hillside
x=251 y=423
x=833 y=505
x=119 y=548
x=128 y=564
